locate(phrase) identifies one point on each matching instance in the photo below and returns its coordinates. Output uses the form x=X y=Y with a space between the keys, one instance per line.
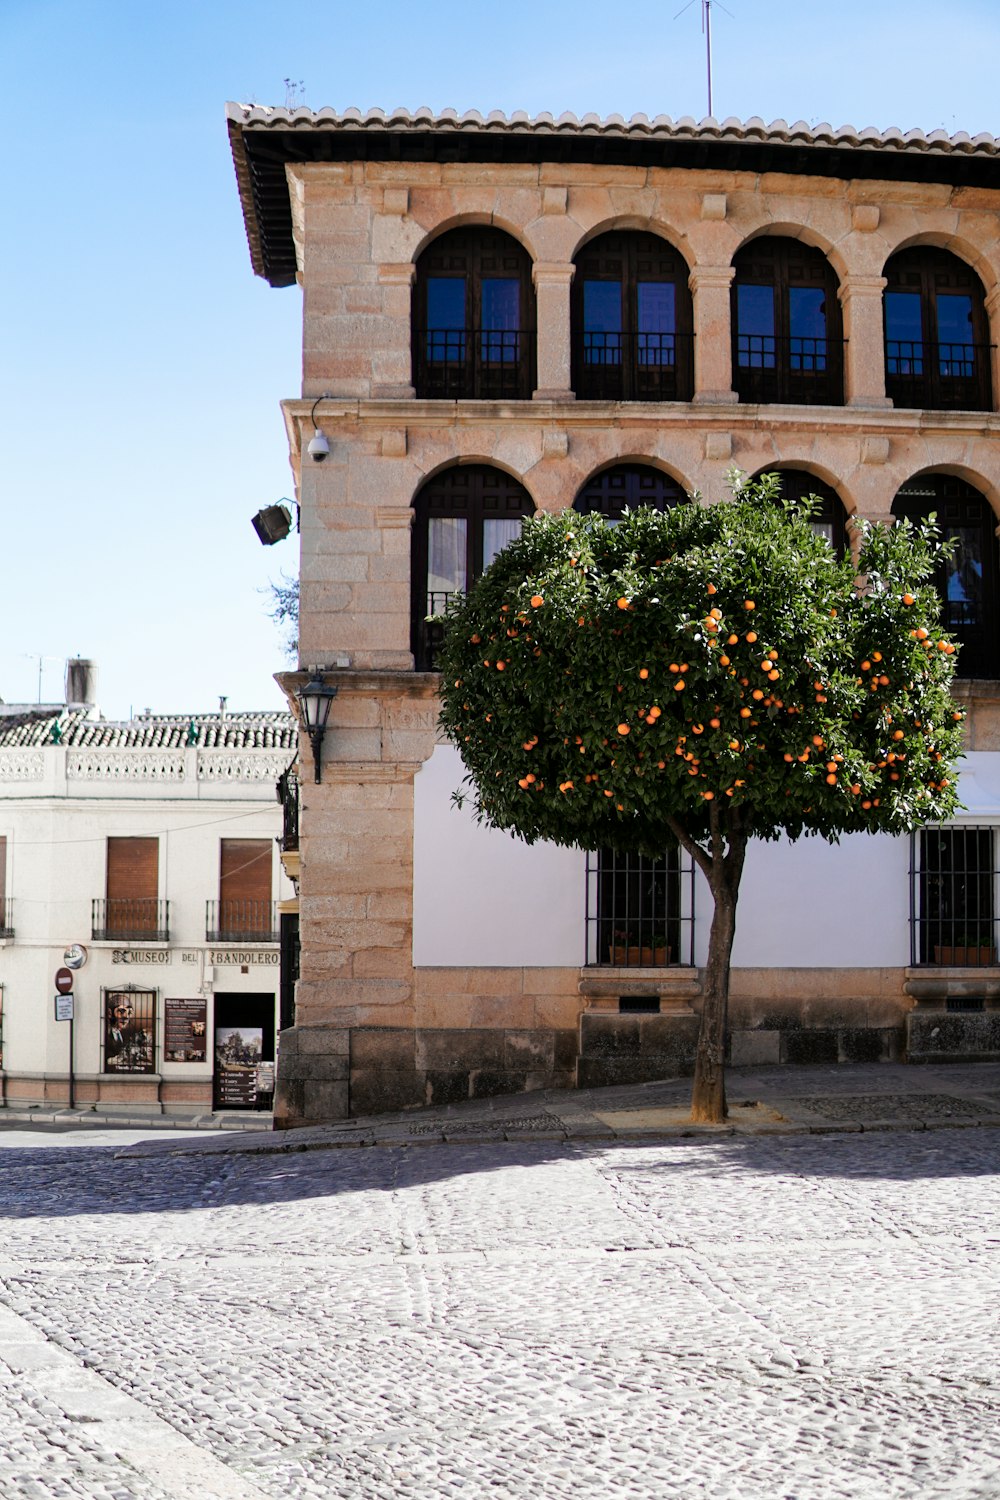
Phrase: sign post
x=64 y=1012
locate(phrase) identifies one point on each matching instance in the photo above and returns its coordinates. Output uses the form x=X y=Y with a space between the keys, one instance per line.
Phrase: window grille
x=953 y=885
x=128 y=1041
x=640 y=911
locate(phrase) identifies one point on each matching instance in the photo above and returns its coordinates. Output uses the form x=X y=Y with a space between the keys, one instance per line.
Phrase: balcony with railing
x=241 y=922
x=793 y=370
x=288 y=796
x=130 y=919
x=484 y=364
x=429 y=630
x=6 y=918
x=634 y=367
x=930 y=376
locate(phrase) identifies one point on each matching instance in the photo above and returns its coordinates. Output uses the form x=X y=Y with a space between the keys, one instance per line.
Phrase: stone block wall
x=400 y=1036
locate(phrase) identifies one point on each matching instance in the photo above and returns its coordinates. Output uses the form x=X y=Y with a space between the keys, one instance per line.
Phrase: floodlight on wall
x=315 y=701
x=319 y=447
x=273 y=523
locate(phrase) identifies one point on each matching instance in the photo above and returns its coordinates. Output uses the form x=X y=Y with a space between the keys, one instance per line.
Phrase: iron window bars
x=128 y=1040
x=953 y=897
x=639 y=911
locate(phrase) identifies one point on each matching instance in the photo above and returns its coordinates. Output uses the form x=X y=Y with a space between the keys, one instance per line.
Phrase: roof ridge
x=266 y=117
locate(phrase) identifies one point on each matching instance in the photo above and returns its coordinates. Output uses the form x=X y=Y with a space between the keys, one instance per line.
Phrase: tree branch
x=700 y=856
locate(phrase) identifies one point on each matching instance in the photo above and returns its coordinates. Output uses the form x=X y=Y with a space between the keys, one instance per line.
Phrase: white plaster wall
x=56 y=865
x=816 y=905
x=482 y=898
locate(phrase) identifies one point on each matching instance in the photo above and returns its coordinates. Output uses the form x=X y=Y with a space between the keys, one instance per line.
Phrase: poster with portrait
x=129 y=1031
x=185 y=1027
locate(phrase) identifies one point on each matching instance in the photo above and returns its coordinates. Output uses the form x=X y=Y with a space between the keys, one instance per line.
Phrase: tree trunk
x=708 y=1094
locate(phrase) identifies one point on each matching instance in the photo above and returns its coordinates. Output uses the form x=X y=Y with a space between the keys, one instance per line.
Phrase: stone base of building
x=147 y=1093
x=596 y=1027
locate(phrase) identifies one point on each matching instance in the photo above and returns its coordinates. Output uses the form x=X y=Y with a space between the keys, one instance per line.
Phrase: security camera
x=318 y=448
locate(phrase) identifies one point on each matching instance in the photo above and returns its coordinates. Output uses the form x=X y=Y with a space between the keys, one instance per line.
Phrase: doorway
x=243 y=1052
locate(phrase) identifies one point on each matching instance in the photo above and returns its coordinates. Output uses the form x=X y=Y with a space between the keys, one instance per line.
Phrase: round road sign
x=64 y=981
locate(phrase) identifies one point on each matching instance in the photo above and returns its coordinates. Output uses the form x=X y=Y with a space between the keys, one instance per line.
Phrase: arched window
x=474 y=318
x=937 y=340
x=625 y=487
x=463 y=517
x=632 y=329
x=968 y=581
x=787 y=331
x=831 y=519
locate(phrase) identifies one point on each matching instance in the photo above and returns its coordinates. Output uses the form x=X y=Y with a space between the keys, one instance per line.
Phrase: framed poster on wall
x=185 y=1028
x=129 y=1031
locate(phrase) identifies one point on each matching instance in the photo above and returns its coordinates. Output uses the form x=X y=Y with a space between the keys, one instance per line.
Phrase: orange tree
x=711 y=674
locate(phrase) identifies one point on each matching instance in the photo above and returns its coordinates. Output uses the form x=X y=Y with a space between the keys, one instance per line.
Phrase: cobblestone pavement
x=788 y=1317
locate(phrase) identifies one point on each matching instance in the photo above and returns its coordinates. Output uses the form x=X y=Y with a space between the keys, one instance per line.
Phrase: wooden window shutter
x=245 y=886
x=133 y=869
x=132 y=886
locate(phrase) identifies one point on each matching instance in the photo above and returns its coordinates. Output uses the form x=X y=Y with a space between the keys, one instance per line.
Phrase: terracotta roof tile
x=246 y=731
x=261 y=117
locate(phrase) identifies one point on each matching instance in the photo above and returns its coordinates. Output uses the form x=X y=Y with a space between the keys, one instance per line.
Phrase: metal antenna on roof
x=32 y=656
x=706 y=28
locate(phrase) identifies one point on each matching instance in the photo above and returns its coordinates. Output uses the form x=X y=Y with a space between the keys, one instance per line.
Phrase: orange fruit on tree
x=537 y=601
x=623 y=603
x=624 y=729
x=751 y=636
x=749 y=604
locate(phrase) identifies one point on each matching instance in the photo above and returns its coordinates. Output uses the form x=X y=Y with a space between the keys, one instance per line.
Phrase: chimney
x=81 y=682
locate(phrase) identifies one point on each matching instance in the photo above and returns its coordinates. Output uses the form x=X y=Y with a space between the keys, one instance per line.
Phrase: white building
x=148 y=850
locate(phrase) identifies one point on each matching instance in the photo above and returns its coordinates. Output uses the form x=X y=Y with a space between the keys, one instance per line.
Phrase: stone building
x=509 y=315
x=142 y=855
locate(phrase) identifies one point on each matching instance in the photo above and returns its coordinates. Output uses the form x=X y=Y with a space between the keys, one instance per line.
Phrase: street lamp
x=315 y=700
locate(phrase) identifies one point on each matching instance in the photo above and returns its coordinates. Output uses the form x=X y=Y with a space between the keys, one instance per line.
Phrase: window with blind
x=244 y=911
x=131 y=909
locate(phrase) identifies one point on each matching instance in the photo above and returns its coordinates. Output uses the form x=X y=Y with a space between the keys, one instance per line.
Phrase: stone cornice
x=666 y=414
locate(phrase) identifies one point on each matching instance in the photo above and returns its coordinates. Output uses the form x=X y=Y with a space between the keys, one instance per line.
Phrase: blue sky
x=143 y=362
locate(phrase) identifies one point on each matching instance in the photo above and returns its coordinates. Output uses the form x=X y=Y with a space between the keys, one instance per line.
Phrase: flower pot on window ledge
x=965 y=956
x=637 y=956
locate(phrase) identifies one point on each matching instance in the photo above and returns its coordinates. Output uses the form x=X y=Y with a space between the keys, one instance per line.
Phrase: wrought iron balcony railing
x=130 y=919
x=288 y=796
x=793 y=370
x=938 y=377
x=485 y=364
x=634 y=367
x=428 y=632
x=241 y=922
